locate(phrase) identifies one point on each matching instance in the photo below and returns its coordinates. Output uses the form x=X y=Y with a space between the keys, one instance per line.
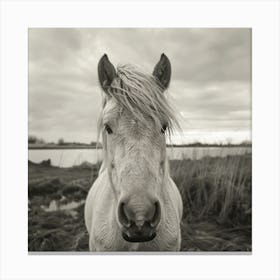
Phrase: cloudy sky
x=210 y=86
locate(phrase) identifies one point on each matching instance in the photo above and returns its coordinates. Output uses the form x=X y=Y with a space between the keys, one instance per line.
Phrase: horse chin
x=138 y=237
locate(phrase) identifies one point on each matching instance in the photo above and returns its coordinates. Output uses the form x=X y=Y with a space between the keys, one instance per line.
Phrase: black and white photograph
x=139 y=139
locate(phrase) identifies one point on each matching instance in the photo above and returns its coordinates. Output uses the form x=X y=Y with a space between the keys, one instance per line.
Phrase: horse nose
x=139 y=219
x=136 y=212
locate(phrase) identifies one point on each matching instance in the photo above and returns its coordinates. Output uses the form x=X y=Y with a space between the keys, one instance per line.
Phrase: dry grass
x=216 y=194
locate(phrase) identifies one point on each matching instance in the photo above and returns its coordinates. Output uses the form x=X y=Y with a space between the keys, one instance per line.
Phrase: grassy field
x=216 y=193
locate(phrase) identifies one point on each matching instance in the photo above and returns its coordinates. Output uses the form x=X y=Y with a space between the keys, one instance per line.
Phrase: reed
x=217 y=201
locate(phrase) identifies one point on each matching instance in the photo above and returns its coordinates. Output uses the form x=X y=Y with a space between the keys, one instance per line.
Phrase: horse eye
x=163 y=128
x=108 y=129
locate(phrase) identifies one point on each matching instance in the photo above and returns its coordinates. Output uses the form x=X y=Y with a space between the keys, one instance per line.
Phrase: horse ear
x=106 y=72
x=162 y=71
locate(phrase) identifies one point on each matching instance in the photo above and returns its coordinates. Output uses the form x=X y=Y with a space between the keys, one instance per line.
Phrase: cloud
x=211 y=77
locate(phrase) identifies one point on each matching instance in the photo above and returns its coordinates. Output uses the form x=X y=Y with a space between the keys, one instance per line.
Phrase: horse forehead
x=132 y=122
x=113 y=110
x=137 y=125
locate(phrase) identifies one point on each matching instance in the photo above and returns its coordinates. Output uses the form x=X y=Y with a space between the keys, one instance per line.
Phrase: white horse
x=134 y=205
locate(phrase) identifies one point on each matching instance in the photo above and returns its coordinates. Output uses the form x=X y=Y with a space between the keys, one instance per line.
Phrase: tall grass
x=216 y=194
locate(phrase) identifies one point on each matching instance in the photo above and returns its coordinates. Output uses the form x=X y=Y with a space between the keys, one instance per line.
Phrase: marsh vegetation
x=216 y=193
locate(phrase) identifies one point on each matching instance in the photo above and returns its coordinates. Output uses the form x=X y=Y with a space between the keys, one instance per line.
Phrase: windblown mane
x=141 y=95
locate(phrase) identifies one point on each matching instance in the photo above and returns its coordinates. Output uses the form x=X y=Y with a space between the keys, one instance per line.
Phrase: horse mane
x=141 y=94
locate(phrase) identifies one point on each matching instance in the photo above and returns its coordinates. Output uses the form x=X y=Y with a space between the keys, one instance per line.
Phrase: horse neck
x=102 y=167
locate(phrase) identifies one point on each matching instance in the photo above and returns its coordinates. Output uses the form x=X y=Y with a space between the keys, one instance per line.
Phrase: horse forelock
x=142 y=96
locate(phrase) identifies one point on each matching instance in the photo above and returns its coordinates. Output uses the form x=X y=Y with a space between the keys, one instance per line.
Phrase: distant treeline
x=39 y=143
x=198 y=144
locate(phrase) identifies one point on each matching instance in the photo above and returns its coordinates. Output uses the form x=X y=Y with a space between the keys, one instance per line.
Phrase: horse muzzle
x=134 y=233
x=139 y=224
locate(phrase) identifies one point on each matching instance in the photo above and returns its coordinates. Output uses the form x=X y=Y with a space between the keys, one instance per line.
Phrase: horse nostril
x=157 y=215
x=138 y=218
x=122 y=216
